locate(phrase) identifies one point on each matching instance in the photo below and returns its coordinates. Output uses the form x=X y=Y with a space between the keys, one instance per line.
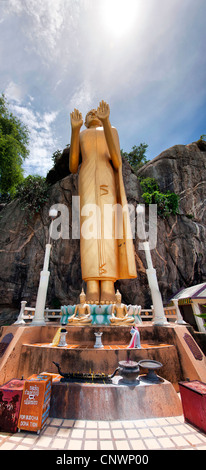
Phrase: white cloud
x=43 y=22
x=82 y=98
x=14 y=92
x=41 y=135
x=63 y=54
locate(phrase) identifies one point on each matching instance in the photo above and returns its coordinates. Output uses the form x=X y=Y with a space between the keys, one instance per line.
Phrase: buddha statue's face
x=92 y=120
x=82 y=298
x=118 y=297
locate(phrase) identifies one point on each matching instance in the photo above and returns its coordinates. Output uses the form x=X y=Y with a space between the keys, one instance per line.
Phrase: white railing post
x=42 y=290
x=44 y=281
x=159 y=317
x=46 y=314
x=179 y=320
x=20 y=320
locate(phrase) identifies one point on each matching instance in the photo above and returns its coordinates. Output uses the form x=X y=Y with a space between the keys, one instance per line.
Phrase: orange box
x=35 y=403
x=55 y=377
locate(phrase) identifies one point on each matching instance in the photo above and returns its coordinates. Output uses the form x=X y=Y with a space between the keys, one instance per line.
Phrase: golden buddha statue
x=103 y=259
x=120 y=315
x=81 y=314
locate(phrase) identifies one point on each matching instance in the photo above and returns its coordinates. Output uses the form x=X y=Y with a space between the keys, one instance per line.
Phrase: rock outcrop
x=182 y=169
x=179 y=257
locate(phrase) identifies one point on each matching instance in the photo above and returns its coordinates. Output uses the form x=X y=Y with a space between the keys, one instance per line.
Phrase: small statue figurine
x=119 y=313
x=56 y=338
x=135 y=341
x=82 y=312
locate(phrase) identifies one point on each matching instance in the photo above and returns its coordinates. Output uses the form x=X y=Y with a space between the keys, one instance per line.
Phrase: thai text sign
x=35 y=403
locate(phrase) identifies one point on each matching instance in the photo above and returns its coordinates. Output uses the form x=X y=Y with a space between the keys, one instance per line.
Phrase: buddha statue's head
x=118 y=297
x=91 y=119
x=82 y=297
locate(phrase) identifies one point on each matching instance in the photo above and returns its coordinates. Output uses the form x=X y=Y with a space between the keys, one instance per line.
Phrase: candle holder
x=151 y=366
x=98 y=344
x=62 y=341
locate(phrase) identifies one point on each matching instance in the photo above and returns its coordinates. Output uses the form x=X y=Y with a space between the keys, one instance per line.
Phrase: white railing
x=27 y=313
x=170 y=313
x=146 y=314
x=49 y=313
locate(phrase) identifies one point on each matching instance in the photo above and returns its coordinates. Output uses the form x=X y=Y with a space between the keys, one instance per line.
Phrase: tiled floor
x=170 y=433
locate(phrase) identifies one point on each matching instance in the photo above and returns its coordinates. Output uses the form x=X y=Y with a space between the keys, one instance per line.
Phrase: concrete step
x=36 y=358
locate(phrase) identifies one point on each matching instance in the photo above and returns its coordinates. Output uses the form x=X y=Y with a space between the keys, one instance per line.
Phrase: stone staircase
x=80 y=355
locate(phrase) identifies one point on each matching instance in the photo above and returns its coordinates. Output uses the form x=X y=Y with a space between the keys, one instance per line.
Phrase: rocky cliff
x=179 y=257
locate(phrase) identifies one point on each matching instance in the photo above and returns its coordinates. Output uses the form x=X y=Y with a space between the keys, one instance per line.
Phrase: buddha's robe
x=99 y=184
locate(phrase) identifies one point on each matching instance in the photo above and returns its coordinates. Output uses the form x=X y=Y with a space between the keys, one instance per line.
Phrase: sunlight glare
x=119 y=15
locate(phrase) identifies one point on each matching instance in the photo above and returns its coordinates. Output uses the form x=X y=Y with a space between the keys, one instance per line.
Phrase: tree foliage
x=32 y=194
x=149 y=185
x=13 y=149
x=167 y=203
x=136 y=157
x=56 y=156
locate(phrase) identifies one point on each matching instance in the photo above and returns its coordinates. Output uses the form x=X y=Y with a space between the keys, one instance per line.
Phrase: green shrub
x=149 y=185
x=173 y=202
x=32 y=194
x=136 y=157
x=167 y=203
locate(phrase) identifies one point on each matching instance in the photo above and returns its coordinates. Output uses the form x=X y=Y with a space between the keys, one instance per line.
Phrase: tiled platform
x=170 y=433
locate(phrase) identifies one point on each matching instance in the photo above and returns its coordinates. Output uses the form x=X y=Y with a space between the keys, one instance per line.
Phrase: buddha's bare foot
x=107 y=291
x=92 y=294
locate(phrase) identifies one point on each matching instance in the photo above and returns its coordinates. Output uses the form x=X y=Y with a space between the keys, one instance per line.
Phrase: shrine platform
x=82 y=358
x=30 y=350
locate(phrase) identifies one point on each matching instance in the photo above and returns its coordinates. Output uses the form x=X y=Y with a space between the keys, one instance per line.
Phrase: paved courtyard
x=170 y=433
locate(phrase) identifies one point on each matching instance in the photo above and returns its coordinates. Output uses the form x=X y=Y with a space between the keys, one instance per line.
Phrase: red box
x=10 y=401
x=193 y=396
x=35 y=403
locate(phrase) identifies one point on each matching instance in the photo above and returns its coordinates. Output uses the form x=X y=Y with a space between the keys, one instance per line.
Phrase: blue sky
x=146 y=58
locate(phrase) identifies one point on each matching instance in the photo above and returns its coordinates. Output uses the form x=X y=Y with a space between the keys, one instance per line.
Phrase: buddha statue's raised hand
x=76 y=119
x=103 y=111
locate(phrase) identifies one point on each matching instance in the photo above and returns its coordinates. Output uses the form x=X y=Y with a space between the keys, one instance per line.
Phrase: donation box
x=10 y=401
x=35 y=403
x=193 y=396
x=54 y=377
